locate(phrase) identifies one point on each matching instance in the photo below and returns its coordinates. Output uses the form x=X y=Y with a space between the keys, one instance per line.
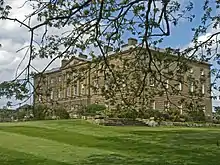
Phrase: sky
x=13 y=37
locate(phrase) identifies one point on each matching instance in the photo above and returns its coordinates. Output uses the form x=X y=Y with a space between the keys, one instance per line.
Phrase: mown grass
x=79 y=142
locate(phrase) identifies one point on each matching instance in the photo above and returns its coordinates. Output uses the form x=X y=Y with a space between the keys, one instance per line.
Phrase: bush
x=42 y=112
x=112 y=113
x=165 y=117
x=39 y=112
x=128 y=113
x=197 y=115
x=61 y=113
x=21 y=115
x=216 y=121
x=94 y=109
x=80 y=110
x=174 y=115
x=158 y=115
x=170 y=115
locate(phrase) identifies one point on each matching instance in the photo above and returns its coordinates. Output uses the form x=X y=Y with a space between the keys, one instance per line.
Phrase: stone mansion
x=62 y=86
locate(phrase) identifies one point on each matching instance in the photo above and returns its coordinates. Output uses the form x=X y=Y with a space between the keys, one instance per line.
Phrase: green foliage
x=61 y=113
x=24 y=112
x=39 y=112
x=174 y=115
x=14 y=88
x=94 y=109
x=217 y=110
x=153 y=113
x=5 y=115
x=129 y=113
x=21 y=115
x=42 y=112
x=216 y=121
x=197 y=115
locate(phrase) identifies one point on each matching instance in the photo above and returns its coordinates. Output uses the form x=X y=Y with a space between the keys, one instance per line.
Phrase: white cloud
x=12 y=38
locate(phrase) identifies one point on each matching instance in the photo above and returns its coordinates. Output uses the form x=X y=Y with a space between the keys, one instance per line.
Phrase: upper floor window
x=51 y=80
x=68 y=92
x=75 y=89
x=192 y=86
x=59 y=79
x=203 y=88
x=51 y=95
x=106 y=86
x=74 y=75
x=202 y=72
x=180 y=86
x=83 y=90
x=152 y=104
x=59 y=93
x=40 y=98
x=152 y=81
x=96 y=83
x=166 y=105
x=167 y=84
x=203 y=108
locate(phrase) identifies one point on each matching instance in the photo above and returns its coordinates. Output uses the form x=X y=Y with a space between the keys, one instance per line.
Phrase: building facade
x=80 y=81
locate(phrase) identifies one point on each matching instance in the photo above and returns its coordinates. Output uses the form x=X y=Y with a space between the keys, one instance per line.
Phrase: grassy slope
x=78 y=142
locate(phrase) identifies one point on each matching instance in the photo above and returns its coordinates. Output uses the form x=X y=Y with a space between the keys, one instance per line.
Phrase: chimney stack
x=132 y=41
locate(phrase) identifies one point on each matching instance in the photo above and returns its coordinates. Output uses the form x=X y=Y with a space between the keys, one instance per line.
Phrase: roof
x=123 y=50
x=160 y=50
x=78 y=58
x=52 y=70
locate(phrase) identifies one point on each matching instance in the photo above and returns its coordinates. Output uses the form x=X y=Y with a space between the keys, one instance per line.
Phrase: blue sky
x=181 y=34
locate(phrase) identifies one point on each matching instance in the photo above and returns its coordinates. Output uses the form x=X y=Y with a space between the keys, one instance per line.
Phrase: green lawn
x=78 y=142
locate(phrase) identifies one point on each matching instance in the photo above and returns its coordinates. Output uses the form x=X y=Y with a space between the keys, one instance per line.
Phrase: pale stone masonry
x=57 y=86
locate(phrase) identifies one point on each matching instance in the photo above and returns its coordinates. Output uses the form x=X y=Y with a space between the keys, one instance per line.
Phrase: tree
x=217 y=110
x=98 y=24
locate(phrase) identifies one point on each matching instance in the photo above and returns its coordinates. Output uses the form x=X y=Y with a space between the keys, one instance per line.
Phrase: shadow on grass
x=111 y=159
x=144 y=147
x=124 y=160
x=167 y=150
x=11 y=157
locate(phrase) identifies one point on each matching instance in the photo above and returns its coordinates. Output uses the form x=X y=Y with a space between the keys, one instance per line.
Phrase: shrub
x=112 y=113
x=197 y=115
x=174 y=115
x=128 y=113
x=165 y=116
x=158 y=115
x=21 y=115
x=94 y=109
x=216 y=121
x=39 y=112
x=80 y=110
x=62 y=113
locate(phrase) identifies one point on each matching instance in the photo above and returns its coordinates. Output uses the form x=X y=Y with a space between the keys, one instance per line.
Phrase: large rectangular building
x=82 y=81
